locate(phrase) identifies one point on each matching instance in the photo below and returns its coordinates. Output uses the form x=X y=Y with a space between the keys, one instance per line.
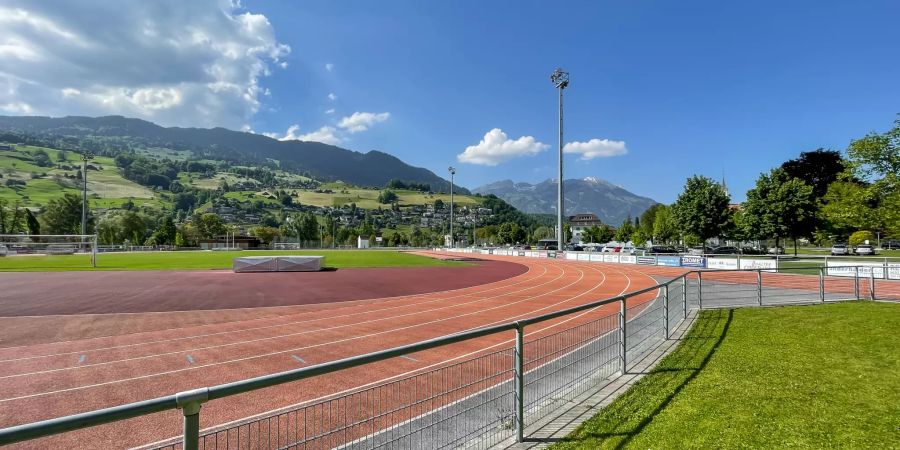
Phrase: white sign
x=584 y=257
x=627 y=259
x=894 y=271
x=571 y=255
x=853 y=269
x=722 y=263
x=611 y=258
x=758 y=263
x=597 y=258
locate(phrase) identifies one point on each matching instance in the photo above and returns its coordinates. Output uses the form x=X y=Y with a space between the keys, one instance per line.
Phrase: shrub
x=860 y=237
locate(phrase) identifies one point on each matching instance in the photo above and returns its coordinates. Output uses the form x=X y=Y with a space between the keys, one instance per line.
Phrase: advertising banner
x=669 y=261
x=722 y=263
x=584 y=257
x=849 y=269
x=651 y=260
x=552 y=255
x=611 y=258
x=597 y=258
x=758 y=264
x=521 y=254
x=571 y=256
x=627 y=259
x=542 y=254
x=894 y=271
x=693 y=261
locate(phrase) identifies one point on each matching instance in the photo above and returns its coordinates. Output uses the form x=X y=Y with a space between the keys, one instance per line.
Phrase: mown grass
x=825 y=376
x=210 y=260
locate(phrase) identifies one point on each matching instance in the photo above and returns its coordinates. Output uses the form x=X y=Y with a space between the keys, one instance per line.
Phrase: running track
x=51 y=379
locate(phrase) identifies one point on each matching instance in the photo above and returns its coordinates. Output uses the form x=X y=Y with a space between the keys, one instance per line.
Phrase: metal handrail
x=190 y=401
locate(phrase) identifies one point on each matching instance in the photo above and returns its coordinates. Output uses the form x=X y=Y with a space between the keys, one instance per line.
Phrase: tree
x=818 y=169
x=702 y=208
x=387 y=196
x=34 y=227
x=648 y=218
x=848 y=206
x=209 y=226
x=779 y=206
x=265 y=234
x=438 y=205
x=63 y=215
x=664 y=228
x=598 y=234
x=876 y=159
x=165 y=232
x=510 y=233
x=4 y=216
x=625 y=231
x=135 y=227
x=860 y=237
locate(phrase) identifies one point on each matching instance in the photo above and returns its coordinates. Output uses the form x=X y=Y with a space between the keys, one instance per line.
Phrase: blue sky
x=686 y=87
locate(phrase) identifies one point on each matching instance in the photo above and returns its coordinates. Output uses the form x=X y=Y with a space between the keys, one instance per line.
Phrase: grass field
x=825 y=376
x=210 y=260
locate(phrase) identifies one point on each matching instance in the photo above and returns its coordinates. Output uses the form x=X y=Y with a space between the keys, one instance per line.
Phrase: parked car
x=725 y=250
x=663 y=249
x=839 y=249
x=864 y=249
x=890 y=245
x=3 y=250
x=775 y=251
x=696 y=251
x=752 y=251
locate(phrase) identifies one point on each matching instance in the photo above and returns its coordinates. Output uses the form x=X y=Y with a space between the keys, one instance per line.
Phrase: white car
x=3 y=250
x=864 y=249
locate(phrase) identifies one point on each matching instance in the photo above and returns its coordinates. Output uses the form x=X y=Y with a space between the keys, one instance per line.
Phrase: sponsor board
x=521 y=254
x=584 y=257
x=611 y=258
x=597 y=258
x=651 y=260
x=894 y=271
x=693 y=261
x=542 y=254
x=722 y=263
x=552 y=255
x=758 y=264
x=627 y=259
x=668 y=261
x=863 y=269
x=571 y=256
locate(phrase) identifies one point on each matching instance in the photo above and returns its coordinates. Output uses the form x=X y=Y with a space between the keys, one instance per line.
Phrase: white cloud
x=331 y=96
x=326 y=135
x=596 y=148
x=197 y=63
x=496 y=148
x=362 y=121
x=329 y=111
x=329 y=67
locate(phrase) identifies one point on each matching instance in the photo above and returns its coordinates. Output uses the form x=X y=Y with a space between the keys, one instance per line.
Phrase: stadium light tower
x=452 y=171
x=85 y=157
x=560 y=79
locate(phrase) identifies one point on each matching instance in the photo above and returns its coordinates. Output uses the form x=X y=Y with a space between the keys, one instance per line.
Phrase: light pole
x=85 y=157
x=452 y=172
x=561 y=80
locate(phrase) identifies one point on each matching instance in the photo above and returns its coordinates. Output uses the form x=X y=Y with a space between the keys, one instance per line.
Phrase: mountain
x=111 y=134
x=611 y=203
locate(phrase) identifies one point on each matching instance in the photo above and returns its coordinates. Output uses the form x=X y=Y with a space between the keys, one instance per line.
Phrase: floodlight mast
x=452 y=171
x=85 y=157
x=561 y=80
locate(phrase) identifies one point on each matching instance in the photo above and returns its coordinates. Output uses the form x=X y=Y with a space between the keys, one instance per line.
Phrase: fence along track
x=489 y=397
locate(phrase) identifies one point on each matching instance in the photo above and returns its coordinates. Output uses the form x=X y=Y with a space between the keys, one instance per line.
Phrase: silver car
x=864 y=249
x=839 y=249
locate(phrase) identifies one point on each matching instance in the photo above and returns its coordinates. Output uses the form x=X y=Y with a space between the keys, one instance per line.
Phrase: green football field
x=824 y=376
x=210 y=260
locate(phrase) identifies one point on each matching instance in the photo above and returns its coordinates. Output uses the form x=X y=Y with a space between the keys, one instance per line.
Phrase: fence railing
x=496 y=392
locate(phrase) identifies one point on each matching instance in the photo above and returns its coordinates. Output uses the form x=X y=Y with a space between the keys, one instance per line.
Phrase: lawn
x=825 y=376
x=210 y=260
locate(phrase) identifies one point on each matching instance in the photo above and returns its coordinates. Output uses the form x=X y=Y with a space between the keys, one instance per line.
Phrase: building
x=579 y=223
x=229 y=241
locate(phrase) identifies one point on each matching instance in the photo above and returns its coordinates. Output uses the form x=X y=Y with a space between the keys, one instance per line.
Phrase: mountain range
x=611 y=203
x=321 y=161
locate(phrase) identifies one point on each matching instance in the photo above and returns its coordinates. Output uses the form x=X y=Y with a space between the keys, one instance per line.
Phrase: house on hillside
x=579 y=223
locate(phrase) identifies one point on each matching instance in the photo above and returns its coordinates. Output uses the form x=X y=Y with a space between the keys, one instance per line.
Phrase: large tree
x=818 y=169
x=664 y=227
x=63 y=215
x=875 y=159
x=779 y=206
x=702 y=208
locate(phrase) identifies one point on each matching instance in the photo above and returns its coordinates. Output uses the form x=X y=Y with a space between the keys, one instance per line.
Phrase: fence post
x=856 y=282
x=520 y=383
x=759 y=286
x=699 y=289
x=190 y=402
x=94 y=251
x=872 y=284
x=666 y=311
x=822 y=283
x=622 y=334
x=684 y=295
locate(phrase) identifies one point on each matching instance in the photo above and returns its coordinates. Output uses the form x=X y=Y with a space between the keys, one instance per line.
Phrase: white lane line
x=286 y=324
x=249 y=358
x=301 y=360
x=280 y=336
x=409 y=358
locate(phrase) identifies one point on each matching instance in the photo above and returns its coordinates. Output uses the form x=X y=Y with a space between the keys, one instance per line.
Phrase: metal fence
x=541 y=364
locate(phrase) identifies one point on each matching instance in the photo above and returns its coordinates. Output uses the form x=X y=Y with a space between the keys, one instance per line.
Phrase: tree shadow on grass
x=617 y=424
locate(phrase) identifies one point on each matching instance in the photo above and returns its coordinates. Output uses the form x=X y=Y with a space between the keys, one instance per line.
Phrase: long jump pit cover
x=288 y=263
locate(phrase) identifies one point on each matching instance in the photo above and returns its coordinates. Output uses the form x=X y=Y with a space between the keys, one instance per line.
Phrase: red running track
x=42 y=380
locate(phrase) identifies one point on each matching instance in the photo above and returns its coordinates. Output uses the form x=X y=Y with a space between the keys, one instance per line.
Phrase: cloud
x=329 y=111
x=496 y=148
x=362 y=121
x=326 y=135
x=596 y=148
x=331 y=96
x=197 y=63
x=329 y=67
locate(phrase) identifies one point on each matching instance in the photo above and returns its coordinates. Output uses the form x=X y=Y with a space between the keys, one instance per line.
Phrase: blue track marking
x=298 y=359
x=81 y=359
x=190 y=359
x=409 y=358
